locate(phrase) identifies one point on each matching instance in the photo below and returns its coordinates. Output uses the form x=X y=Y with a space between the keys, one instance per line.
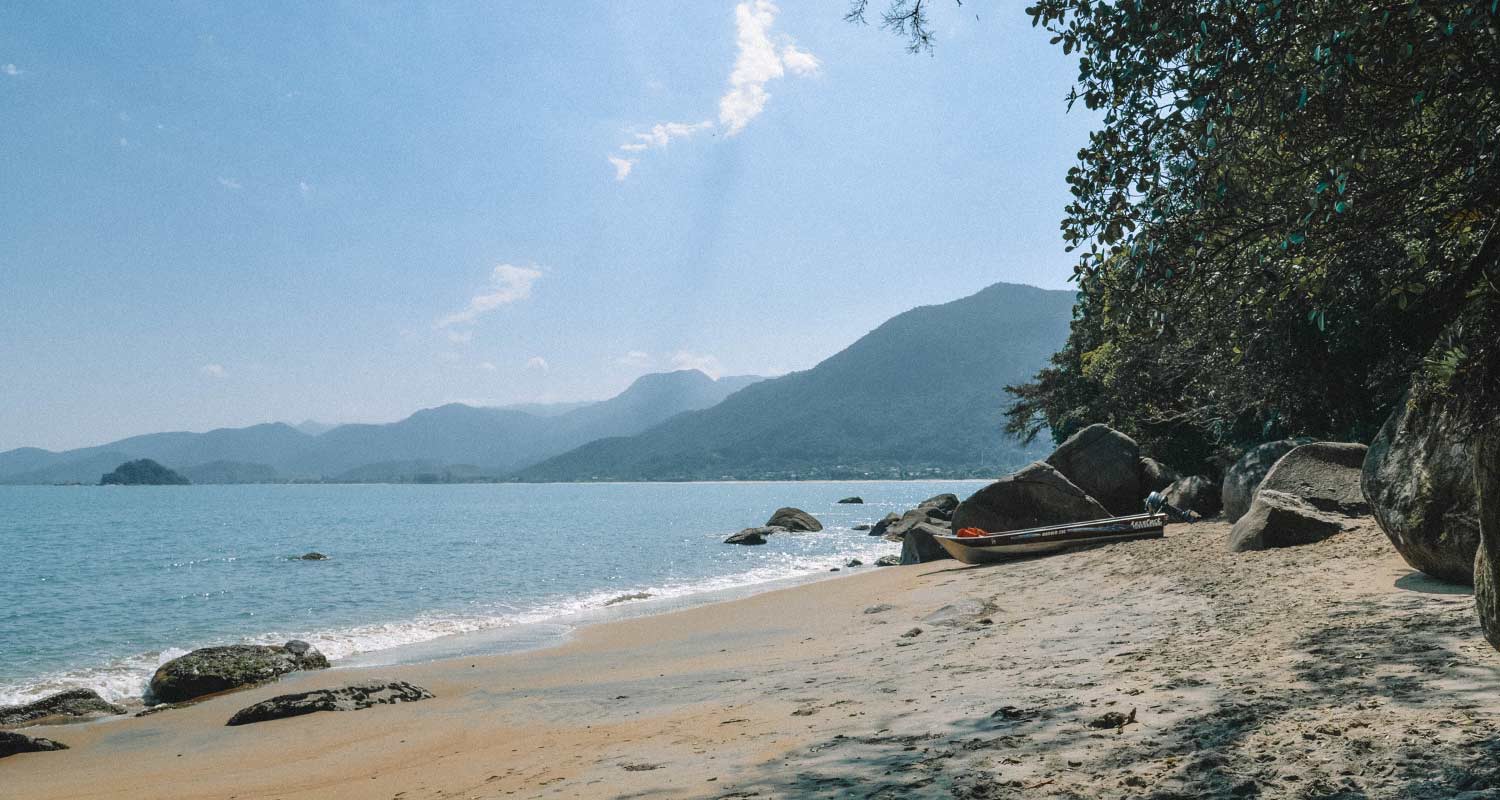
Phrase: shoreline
x=1354 y=675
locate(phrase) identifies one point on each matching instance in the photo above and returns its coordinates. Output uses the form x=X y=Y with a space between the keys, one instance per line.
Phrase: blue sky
x=222 y=214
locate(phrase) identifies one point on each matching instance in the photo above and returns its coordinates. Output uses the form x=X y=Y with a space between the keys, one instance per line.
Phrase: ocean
x=104 y=584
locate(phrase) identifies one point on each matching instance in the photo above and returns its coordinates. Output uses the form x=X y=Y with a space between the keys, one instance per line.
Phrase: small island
x=143 y=472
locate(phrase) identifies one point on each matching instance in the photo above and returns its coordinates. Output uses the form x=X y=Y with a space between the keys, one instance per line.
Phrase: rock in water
x=1197 y=494
x=1033 y=496
x=794 y=519
x=1487 y=562
x=888 y=561
x=1105 y=464
x=346 y=698
x=1277 y=519
x=918 y=546
x=753 y=535
x=879 y=528
x=76 y=704
x=313 y=556
x=897 y=530
x=1324 y=474
x=13 y=743
x=863 y=526
x=856 y=500
x=1156 y=476
x=1419 y=480
x=1245 y=476
x=219 y=669
x=944 y=503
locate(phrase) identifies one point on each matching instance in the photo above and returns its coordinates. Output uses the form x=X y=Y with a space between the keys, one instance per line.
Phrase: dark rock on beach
x=1105 y=464
x=1245 y=476
x=885 y=524
x=72 y=705
x=888 y=561
x=753 y=535
x=346 y=698
x=897 y=530
x=1156 y=476
x=794 y=519
x=1035 y=495
x=944 y=503
x=1196 y=494
x=218 y=669
x=13 y=743
x=1487 y=561
x=1324 y=474
x=918 y=546
x=1418 y=477
x=856 y=500
x=1278 y=519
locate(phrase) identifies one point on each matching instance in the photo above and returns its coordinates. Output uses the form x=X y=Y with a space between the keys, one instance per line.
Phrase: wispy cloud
x=538 y=364
x=487 y=366
x=12 y=70
x=635 y=358
x=214 y=370
x=508 y=283
x=703 y=362
x=758 y=60
x=230 y=183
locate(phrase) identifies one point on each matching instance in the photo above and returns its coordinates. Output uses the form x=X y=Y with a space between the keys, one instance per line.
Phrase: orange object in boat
x=969 y=533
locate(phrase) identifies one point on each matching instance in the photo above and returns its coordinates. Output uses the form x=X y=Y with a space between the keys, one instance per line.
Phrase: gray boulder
x=794 y=519
x=885 y=523
x=74 y=704
x=1105 y=464
x=13 y=743
x=944 y=503
x=219 y=669
x=856 y=500
x=1197 y=494
x=863 y=526
x=1035 y=495
x=897 y=530
x=1278 y=519
x=1324 y=474
x=753 y=535
x=1419 y=480
x=918 y=546
x=888 y=561
x=345 y=698
x=1156 y=476
x=1242 y=479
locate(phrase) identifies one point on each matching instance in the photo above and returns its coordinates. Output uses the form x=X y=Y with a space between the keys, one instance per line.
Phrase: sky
x=219 y=214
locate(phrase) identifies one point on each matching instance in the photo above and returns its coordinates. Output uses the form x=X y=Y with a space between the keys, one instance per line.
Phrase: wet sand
x=1331 y=670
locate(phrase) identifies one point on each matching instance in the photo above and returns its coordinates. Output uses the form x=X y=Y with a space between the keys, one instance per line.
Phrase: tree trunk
x=1487 y=561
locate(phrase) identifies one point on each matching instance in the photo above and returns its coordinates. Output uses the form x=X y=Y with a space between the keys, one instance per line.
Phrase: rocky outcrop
x=74 y=704
x=897 y=530
x=918 y=546
x=1418 y=478
x=1324 y=474
x=885 y=523
x=1196 y=494
x=1278 y=519
x=794 y=519
x=1487 y=562
x=1105 y=464
x=218 y=669
x=345 y=698
x=1036 y=495
x=13 y=743
x=856 y=500
x=1245 y=476
x=753 y=535
x=1156 y=476
x=945 y=504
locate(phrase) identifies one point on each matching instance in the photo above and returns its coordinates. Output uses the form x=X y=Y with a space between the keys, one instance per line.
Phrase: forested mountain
x=921 y=394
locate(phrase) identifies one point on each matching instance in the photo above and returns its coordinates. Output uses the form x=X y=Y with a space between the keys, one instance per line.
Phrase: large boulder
x=1278 y=519
x=1156 y=476
x=345 y=698
x=1323 y=474
x=1035 y=495
x=794 y=519
x=1487 y=561
x=219 y=669
x=74 y=704
x=879 y=528
x=918 y=546
x=1197 y=494
x=1242 y=479
x=944 y=503
x=897 y=530
x=1419 y=480
x=1105 y=464
x=13 y=743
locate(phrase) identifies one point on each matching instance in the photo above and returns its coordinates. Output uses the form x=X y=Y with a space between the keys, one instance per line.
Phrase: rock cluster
x=1242 y=479
x=344 y=698
x=74 y=704
x=1307 y=495
x=218 y=669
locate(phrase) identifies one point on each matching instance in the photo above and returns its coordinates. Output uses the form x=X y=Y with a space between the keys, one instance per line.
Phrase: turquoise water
x=102 y=584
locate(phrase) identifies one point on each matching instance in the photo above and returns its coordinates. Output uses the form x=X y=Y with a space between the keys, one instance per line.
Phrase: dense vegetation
x=143 y=472
x=1288 y=210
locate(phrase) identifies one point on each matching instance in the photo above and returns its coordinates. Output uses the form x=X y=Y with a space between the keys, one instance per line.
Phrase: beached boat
x=1051 y=538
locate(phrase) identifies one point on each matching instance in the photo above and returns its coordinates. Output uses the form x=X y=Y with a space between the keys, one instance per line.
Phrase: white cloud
x=508 y=283
x=707 y=364
x=662 y=133
x=230 y=183
x=538 y=363
x=635 y=358
x=214 y=370
x=11 y=70
x=800 y=62
x=487 y=366
x=623 y=166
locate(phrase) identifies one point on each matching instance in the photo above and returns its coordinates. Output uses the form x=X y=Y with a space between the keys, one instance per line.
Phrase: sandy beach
x=1330 y=670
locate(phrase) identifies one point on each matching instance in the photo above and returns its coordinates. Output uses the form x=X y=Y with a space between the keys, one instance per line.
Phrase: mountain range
x=921 y=395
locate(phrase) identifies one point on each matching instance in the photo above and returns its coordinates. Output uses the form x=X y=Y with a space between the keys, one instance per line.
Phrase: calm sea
x=103 y=584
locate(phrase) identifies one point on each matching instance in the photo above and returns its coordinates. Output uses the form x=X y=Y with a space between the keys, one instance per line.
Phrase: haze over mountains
x=921 y=395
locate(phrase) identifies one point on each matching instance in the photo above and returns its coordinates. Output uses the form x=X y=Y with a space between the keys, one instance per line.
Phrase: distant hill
x=142 y=472
x=923 y=394
x=456 y=440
